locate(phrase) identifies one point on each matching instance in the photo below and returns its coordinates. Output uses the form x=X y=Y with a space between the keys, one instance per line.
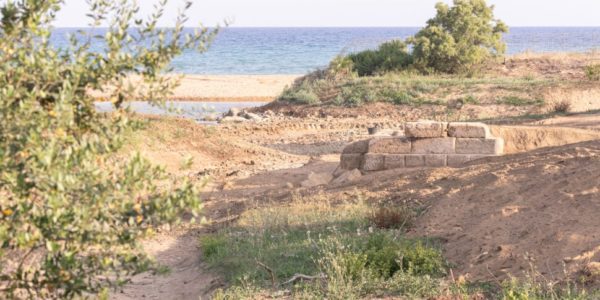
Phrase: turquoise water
x=300 y=50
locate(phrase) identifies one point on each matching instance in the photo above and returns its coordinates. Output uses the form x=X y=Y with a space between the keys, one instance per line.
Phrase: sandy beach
x=225 y=88
x=232 y=88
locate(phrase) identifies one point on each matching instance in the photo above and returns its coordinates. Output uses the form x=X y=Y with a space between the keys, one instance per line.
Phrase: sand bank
x=225 y=88
x=232 y=87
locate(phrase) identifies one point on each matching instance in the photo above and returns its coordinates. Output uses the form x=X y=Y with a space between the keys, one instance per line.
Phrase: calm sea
x=299 y=50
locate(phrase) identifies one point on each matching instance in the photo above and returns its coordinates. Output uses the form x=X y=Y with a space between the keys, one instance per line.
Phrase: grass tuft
x=393 y=217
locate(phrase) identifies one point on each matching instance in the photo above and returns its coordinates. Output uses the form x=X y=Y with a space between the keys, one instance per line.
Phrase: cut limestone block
x=394 y=161
x=435 y=160
x=357 y=147
x=395 y=145
x=458 y=160
x=469 y=130
x=373 y=162
x=413 y=161
x=426 y=129
x=351 y=161
x=434 y=146
x=493 y=146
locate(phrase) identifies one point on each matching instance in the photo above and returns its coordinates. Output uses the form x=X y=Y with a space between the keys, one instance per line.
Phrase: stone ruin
x=424 y=144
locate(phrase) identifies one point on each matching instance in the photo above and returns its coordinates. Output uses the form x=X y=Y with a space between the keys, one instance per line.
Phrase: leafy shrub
x=390 y=56
x=458 y=38
x=302 y=97
x=72 y=211
x=356 y=95
x=341 y=67
x=387 y=256
x=592 y=72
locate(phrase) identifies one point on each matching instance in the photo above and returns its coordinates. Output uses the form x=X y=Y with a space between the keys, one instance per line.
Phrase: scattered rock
x=317 y=179
x=348 y=176
x=253 y=117
x=233 y=112
x=233 y=119
x=211 y=118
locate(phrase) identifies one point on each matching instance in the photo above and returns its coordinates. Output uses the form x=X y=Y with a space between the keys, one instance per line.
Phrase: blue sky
x=316 y=13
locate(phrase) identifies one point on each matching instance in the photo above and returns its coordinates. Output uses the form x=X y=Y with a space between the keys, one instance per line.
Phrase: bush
x=72 y=211
x=458 y=38
x=387 y=257
x=390 y=56
x=592 y=72
x=300 y=96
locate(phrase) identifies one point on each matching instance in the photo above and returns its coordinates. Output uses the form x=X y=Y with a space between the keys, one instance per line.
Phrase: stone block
x=414 y=161
x=373 y=162
x=436 y=160
x=493 y=146
x=351 y=161
x=469 y=130
x=458 y=160
x=394 y=161
x=434 y=146
x=426 y=129
x=394 y=145
x=357 y=147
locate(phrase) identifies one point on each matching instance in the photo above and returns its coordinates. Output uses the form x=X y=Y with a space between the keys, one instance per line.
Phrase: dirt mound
x=510 y=213
x=526 y=138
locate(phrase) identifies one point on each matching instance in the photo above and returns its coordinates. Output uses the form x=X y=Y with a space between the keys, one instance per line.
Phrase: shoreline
x=231 y=88
x=227 y=88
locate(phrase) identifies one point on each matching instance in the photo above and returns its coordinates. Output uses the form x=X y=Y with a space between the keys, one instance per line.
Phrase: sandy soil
x=514 y=214
x=232 y=87
x=534 y=207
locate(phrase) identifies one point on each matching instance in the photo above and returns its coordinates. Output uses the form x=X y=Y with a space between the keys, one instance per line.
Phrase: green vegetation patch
x=593 y=72
x=312 y=249
x=414 y=90
x=335 y=245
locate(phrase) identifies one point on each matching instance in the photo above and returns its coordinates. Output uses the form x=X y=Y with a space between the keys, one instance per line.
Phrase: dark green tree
x=458 y=38
x=72 y=211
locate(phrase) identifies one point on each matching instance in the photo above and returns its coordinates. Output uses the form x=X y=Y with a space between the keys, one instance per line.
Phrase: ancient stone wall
x=425 y=144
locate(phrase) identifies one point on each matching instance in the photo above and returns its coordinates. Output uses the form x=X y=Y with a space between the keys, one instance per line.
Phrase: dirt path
x=187 y=276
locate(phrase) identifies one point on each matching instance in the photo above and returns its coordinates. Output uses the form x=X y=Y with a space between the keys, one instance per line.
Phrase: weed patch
x=335 y=245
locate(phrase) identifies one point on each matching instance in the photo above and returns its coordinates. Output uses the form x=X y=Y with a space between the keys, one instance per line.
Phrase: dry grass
x=561 y=107
x=393 y=217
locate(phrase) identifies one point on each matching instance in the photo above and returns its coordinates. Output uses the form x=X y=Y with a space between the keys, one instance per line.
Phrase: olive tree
x=458 y=38
x=72 y=212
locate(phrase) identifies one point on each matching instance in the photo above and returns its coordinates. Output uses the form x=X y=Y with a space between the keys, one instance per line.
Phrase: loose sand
x=497 y=217
x=535 y=208
x=232 y=87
